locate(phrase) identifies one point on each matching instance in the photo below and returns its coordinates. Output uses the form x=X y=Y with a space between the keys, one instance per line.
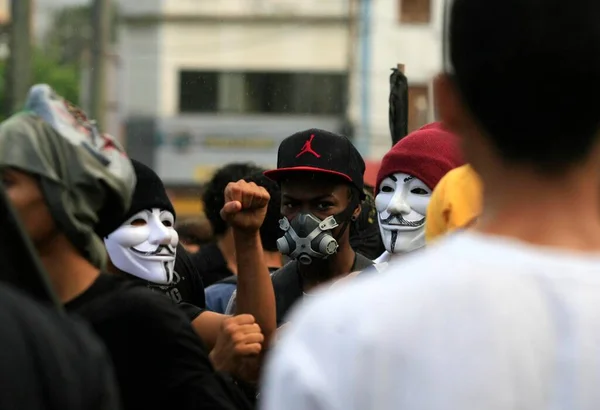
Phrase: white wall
x=247 y=46
x=417 y=46
x=140 y=48
x=257 y=7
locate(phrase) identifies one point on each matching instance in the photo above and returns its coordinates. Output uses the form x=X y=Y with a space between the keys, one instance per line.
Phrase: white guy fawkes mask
x=145 y=246
x=401 y=206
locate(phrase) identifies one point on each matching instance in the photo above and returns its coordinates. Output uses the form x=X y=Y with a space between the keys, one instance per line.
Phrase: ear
x=450 y=105
x=356 y=212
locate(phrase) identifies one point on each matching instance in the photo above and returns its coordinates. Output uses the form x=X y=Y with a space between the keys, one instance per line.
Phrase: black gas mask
x=307 y=237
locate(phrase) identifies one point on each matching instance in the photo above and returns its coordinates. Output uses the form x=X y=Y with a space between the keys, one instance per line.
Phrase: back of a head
x=529 y=71
x=213 y=197
x=455 y=203
x=269 y=231
x=194 y=230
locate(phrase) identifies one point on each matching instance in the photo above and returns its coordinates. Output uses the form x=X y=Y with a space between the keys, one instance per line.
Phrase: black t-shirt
x=187 y=289
x=159 y=361
x=211 y=263
x=49 y=361
x=287 y=285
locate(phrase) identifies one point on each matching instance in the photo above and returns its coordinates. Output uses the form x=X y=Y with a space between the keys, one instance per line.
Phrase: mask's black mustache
x=400 y=221
x=169 y=249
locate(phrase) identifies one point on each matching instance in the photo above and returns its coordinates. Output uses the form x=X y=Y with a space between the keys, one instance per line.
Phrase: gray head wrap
x=83 y=174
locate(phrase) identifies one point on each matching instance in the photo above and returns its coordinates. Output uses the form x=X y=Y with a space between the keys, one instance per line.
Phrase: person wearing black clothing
x=143 y=245
x=217 y=260
x=143 y=242
x=365 y=236
x=61 y=176
x=321 y=179
x=166 y=366
x=36 y=346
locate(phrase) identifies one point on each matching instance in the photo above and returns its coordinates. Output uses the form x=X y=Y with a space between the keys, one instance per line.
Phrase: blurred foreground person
x=62 y=178
x=36 y=346
x=504 y=316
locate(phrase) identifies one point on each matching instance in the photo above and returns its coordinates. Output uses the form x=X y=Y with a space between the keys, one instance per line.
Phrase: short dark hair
x=197 y=231
x=213 y=196
x=509 y=59
x=269 y=231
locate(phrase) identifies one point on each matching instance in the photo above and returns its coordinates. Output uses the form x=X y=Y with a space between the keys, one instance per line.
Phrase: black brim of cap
x=281 y=173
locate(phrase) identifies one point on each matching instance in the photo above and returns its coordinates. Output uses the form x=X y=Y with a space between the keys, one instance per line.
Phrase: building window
x=418 y=107
x=198 y=91
x=263 y=92
x=415 y=11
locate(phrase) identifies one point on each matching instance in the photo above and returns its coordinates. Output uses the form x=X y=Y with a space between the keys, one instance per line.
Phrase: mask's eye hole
x=138 y=222
x=419 y=191
x=387 y=189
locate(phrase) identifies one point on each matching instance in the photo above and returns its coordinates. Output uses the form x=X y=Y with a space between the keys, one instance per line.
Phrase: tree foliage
x=64 y=78
x=70 y=34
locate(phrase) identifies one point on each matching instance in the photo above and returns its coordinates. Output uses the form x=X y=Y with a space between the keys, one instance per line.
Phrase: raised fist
x=238 y=346
x=245 y=206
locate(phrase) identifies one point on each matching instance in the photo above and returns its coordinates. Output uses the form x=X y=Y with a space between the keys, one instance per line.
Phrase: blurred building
x=4 y=11
x=113 y=120
x=205 y=83
x=393 y=32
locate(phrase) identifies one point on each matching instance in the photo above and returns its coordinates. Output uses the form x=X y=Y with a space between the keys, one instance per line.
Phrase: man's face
x=30 y=205
x=315 y=194
x=145 y=246
x=401 y=205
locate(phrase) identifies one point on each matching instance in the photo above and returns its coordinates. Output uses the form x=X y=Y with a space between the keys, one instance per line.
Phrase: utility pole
x=352 y=43
x=20 y=66
x=101 y=13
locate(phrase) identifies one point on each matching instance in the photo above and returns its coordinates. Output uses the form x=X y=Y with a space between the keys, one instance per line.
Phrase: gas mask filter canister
x=307 y=237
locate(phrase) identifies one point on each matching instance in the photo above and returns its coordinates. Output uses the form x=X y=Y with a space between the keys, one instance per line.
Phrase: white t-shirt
x=472 y=323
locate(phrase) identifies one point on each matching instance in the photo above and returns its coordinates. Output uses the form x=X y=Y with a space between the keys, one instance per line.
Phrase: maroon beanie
x=427 y=153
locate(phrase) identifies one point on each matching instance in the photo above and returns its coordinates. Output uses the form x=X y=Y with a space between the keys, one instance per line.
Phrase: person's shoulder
x=286 y=271
x=219 y=295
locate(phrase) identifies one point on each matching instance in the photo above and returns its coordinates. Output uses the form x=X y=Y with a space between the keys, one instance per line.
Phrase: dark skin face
x=322 y=196
x=28 y=201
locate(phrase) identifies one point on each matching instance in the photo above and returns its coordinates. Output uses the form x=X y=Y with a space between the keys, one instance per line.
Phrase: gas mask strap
x=344 y=218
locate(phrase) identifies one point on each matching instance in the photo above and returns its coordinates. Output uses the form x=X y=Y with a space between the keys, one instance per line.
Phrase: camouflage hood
x=83 y=174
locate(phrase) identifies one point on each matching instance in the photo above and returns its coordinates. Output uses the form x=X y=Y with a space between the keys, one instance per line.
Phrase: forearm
x=255 y=294
x=207 y=325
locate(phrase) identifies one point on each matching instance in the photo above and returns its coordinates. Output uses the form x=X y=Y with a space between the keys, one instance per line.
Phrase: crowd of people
x=465 y=278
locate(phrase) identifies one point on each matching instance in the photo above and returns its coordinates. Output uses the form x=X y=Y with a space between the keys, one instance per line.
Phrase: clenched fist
x=238 y=345
x=245 y=206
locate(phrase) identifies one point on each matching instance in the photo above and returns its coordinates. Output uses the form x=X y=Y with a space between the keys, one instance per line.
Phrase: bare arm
x=245 y=209
x=208 y=325
x=254 y=289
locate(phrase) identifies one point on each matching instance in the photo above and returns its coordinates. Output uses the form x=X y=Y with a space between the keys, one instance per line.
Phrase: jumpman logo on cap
x=307 y=148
